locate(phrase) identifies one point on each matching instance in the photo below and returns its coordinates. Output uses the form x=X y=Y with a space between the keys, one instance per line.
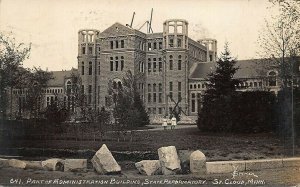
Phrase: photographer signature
x=237 y=173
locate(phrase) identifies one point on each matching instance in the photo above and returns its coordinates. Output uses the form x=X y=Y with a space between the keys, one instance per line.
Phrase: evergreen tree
x=216 y=113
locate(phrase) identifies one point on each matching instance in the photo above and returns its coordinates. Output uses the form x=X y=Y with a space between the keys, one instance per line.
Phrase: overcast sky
x=52 y=25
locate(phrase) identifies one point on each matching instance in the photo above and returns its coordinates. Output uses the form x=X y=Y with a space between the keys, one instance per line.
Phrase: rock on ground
x=149 y=167
x=3 y=163
x=36 y=165
x=75 y=164
x=169 y=160
x=184 y=156
x=17 y=163
x=198 y=163
x=53 y=164
x=104 y=162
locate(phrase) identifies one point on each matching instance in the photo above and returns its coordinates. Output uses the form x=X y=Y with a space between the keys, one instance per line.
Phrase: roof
x=247 y=69
x=59 y=77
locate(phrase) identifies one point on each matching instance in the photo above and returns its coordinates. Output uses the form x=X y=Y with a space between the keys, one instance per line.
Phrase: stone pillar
x=198 y=163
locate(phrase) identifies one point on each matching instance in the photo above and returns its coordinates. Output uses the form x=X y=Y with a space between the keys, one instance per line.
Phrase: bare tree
x=280 y=45
x=279 y=41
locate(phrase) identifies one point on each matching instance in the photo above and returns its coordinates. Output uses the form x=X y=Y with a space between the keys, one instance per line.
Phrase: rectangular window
x=160 y=87
x=82 y=70
x=160 y=66
x=154 y=97
x=171 y=42
x=149 y=87
x=154 y=110
x=160 y=45
x=179 y=86
x=149 y=67
x=171 y=86
x=117 y=65
x=122 y=43
x=154 y=45
x=111 y=66
x=171 y=95
x=160 y=97
x=82 y=89
x=117 y=44
x=159 y=111
x=179 y=64
x=149 y=47
x=90 y=68
x=178 y=42
x=154 y=64
x=171 y=64
x=90 y=50
x=122 y=65
x=111 y=44
x=149 y=97
x=193 y=105
x=83 y=50
x=90 y=88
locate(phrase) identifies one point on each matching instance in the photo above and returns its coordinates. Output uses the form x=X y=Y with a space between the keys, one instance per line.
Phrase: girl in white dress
x=165 y=124
x=173 y=123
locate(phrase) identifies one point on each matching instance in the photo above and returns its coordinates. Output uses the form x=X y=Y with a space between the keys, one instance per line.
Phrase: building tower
x=175 y=45
x=211 y=46
x=87 y=64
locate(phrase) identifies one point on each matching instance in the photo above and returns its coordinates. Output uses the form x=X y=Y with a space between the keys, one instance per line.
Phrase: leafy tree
x=218 y=98
x=12 y=55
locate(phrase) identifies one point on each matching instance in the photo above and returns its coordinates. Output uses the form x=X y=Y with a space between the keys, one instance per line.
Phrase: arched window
x=69 y=86
x=272 y=78
x=90 y=68
x=82 y=68
x=179 y=62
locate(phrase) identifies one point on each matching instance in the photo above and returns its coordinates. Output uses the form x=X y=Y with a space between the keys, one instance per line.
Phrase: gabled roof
x=118 y=29
x=59 y=77
x=247 y=69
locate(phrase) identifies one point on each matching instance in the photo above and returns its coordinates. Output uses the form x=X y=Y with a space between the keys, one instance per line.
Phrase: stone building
x=164 y=60
x=172 y=68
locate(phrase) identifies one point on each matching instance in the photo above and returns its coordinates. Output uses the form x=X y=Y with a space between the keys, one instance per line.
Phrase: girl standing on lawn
x=173 y=122
x=165 y=124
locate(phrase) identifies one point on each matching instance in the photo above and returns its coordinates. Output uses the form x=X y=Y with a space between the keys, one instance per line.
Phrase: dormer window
x=272 y=78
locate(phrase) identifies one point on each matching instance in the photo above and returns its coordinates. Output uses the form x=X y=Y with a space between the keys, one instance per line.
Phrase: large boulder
x=17 y=163
x=36 y=165
x=169 y=160
x=104 y=162
x=53 y=164
x=198 y=163
x=75 y=164
x=184 y=156
x=149 y=167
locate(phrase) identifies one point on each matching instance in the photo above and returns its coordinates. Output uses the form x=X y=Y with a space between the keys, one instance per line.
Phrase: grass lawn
x=216 y=146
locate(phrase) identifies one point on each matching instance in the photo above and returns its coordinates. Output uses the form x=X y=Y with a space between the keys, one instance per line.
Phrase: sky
x=52 y=26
